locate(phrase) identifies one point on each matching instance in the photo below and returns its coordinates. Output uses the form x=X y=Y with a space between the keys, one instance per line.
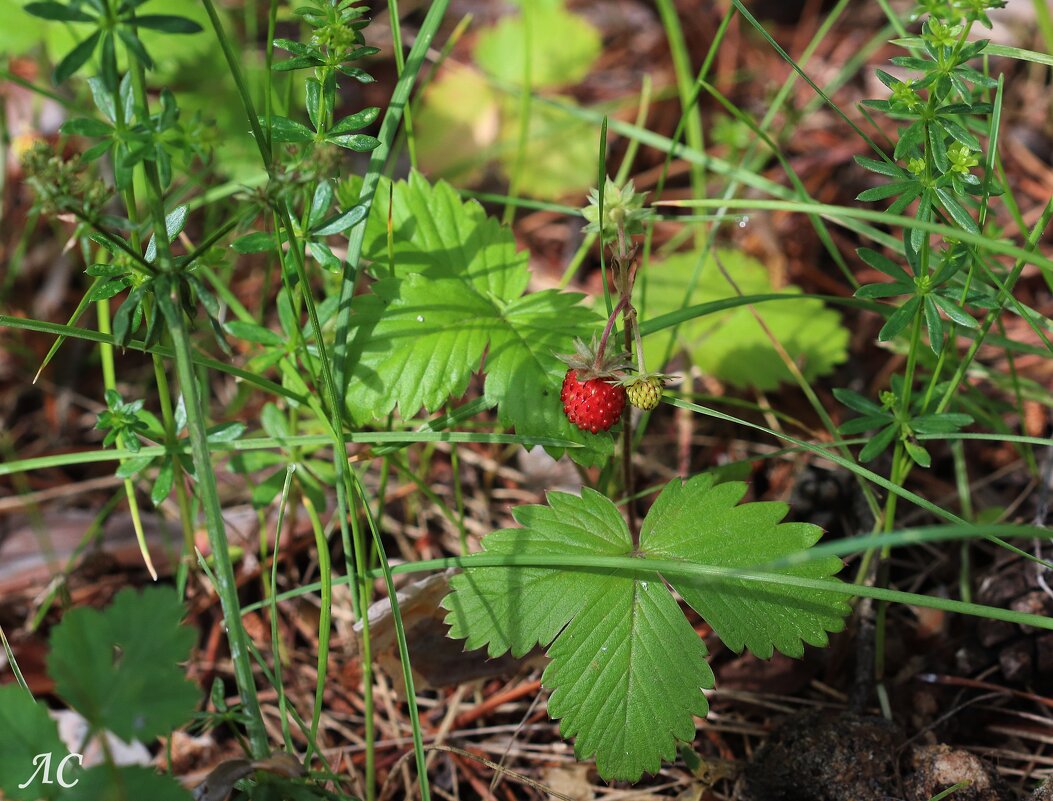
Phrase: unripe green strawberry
x=644 y=393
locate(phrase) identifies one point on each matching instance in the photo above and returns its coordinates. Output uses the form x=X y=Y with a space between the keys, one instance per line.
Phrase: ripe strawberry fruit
x=593 y=396
x=592 y=405
x=644 y=393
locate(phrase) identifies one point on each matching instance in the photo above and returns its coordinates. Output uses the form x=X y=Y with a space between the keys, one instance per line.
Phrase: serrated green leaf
x=460 y=111
x=562 y=50
x=119 y=667
x=27 y=730
x=458 y=291
x=627 y=675
x=523 y=373
x=699 y=522
x=424 y=348
x=627 y=669
x=731 y=345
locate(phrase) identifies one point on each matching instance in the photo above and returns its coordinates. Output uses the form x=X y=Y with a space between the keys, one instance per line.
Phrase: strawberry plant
x=119 y=669
x=322 y=324
x=627 y=669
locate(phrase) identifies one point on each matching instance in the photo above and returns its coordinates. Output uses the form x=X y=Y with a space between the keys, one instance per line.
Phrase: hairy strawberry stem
x=608 y=328
x=626 y=273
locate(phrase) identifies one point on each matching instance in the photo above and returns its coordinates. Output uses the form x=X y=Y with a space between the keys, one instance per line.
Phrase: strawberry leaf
x=627 y=669
x=119 y=667
x=701 y=523
x=454 y=292
x=563 y=56
x=731 y=344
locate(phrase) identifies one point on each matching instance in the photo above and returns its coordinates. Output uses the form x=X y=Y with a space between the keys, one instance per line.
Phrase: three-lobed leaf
x=454 y=292
x=627 y=669
x=119 y=667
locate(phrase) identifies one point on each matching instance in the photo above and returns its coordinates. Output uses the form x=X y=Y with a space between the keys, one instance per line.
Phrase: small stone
x=937 y=767
x=1016 y=661
x=992 y=632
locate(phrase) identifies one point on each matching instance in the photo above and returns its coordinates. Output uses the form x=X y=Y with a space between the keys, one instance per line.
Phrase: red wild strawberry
x=592 y=405
x=593 y=399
